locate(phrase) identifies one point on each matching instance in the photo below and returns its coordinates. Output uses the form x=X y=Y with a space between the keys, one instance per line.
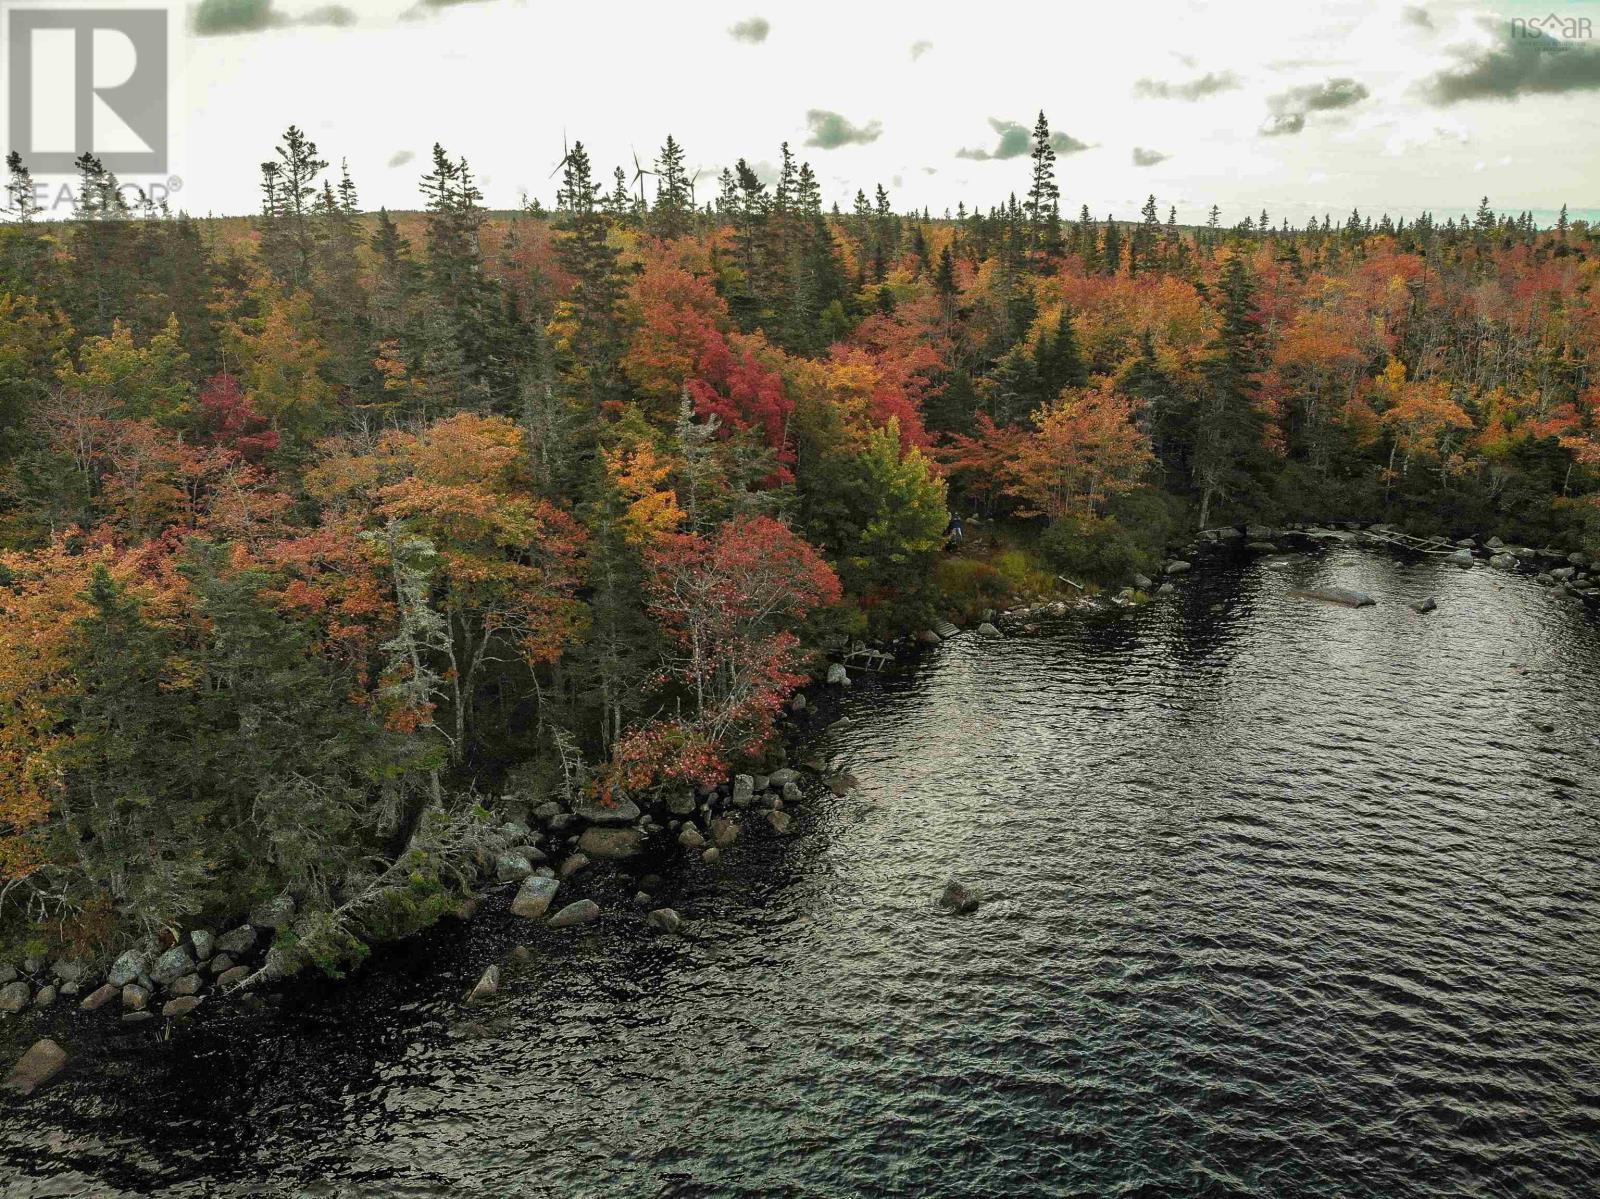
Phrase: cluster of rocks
x=148 y=981
x=1567 y=574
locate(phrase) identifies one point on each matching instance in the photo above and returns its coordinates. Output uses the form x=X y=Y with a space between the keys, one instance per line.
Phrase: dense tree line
x=317 y=532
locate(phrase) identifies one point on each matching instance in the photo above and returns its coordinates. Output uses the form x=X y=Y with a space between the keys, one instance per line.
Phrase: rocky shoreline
x=562 y=859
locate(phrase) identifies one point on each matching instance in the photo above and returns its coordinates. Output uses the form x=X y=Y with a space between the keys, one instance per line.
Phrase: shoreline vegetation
x=347 y=560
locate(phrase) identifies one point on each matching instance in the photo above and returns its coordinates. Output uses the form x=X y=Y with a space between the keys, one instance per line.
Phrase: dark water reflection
x=1289 y=899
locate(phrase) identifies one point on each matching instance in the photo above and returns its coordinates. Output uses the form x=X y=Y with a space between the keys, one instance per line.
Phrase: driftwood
x=1422 y=545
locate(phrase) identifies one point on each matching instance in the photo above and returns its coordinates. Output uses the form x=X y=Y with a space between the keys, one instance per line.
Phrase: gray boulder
x=611 y=844
x=1461 y=557
x=1503 y=562
x=512 y=867
x=534 y=897
x=618 y=811
x=129 y=967
x=45 y=997
x=838 y=676
x=1423 y=606
x=8 y=974
x=710 y=855
x=988 y=630
x=1494 y=543
x=1178 y=567
x=39 y=1065
x=744 y=788
x=681 y=803
x=189 y=984
x=779 y=779
x=1143 y=582
x=585 y=911
x=172 y=965
x=277 y=912
x=14 y=996
x=221 y=964
x=135 y=998
x=798 y=702
x=70 y=970
x=690 y=837
x=240 y=941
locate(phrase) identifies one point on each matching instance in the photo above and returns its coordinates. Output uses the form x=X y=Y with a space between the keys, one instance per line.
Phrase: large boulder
x=189 y=984
x=15 y=996
x=1178 y=567
x=172 y=965
x=1503 y=562
x=779 y=779
x=240 y=941
x=512 y=867
x=534 y=897
x=585 y=911
x=988 y=630
x=39 y=1065
x=1461 y=557
x=617 y=811
x=277 y=912
x=838 y=676
x=129 y=967
x=611 y=844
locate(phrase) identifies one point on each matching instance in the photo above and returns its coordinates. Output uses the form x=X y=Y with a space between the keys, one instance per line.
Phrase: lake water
x=1284 y=899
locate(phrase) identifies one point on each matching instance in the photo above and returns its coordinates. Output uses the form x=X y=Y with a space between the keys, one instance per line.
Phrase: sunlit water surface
x=1286 y=899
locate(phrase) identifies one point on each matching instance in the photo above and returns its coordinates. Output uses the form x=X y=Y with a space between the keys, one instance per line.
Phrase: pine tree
x=1228 y=442
x=288 y=210
x=674 y=208
x=1044 y=197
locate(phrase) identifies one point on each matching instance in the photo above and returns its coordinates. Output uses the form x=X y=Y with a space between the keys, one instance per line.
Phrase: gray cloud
x=399 y=158
x=752 y=29
x=1148 y=158
x=1065 y=143
x=918 y=49
x=1015 y=141
x=1524 y=60
x=829 y=130
x=1288 y=109
x=219 y=18
x=1417 y=15
x=1208 y=84
x=1283 y=123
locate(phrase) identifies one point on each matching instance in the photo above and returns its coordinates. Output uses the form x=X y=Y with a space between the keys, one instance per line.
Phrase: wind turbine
x=566 y=155
x=638 y=177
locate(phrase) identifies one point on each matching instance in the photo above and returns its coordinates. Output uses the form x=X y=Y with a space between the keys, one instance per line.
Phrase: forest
x=322 y=529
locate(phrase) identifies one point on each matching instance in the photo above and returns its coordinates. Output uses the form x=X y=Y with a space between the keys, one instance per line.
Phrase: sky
x=1301 y=109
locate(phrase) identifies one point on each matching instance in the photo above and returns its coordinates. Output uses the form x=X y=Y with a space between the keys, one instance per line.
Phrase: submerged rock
x=39 y=1065
x=724 y=832
x=959 y=899
x=664 y=920
x=1349 y=597
x=1423 y=606
x=488 y=984
x=534 y=897
x=585 y=911
x=779 y=820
